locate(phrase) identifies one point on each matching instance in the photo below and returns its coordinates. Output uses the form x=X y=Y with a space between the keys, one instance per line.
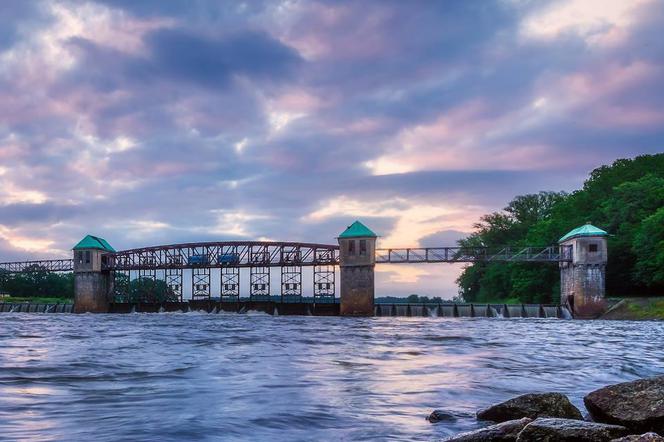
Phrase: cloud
x=160 y=122
x=597 y=22
x=413 y=221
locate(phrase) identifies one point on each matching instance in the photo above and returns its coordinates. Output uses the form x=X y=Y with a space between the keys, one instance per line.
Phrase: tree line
x=37 y=283
x=40 y=283
x=626 y=199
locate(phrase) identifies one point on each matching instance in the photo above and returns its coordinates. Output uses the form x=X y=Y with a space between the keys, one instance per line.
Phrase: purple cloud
x=158 y=122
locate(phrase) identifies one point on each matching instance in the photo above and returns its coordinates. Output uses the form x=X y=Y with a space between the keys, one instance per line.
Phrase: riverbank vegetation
x=37 y=284
x=40 y=286
x=637 y=309
x=626 y=199
x=36 y=300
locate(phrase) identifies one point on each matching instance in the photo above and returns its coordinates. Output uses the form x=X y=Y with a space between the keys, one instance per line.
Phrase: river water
x=194 y=376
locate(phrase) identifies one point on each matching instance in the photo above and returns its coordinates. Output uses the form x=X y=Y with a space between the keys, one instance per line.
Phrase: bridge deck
x=272 y=254
x=474 y=254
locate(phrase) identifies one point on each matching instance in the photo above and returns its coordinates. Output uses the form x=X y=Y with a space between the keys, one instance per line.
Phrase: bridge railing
x=473 y=254
x=226 y=254
x=48 y=265
x=272 y=254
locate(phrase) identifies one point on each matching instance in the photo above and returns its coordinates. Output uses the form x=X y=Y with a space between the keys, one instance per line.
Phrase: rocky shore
x=625 y=412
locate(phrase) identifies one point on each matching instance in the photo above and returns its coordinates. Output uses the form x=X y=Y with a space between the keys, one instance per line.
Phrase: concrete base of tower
x=357 y=291
x=582 y=289
x=92 y=292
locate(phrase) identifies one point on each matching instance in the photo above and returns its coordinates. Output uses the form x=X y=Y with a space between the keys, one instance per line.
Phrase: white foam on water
x=255 y=313
x=495 y=313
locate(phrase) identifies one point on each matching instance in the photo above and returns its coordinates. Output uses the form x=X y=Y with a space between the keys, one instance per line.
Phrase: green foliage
x=142 y=290
x=486 y=282
x=37 y=283
x=415 y=299
x=625 y=199
x=648 y=246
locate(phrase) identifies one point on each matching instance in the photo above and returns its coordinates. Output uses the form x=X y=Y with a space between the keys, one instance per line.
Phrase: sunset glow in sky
x=150 y=122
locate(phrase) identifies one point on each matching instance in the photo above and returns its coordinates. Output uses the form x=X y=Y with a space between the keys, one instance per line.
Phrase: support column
x=582 y=281
x=230 y=284
x=93 y=282
x=200 y=283
x=357 y=246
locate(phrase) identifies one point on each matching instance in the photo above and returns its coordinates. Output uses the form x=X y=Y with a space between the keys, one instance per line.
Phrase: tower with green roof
x=93 y=282
x=582 y=281
x=357 y=259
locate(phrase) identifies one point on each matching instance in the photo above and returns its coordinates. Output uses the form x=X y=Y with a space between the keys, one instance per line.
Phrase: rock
x=506 y=431
x=637 y=405
x=569 y=430
x=440 y=415
x=532 y=406
x=646 y=437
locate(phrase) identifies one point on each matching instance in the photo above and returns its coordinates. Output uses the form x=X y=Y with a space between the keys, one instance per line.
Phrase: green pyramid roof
x=585 y=230
x=357 y=230
x=94 y=242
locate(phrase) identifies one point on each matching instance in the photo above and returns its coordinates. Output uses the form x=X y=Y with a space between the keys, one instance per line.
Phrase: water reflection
x=249 y=377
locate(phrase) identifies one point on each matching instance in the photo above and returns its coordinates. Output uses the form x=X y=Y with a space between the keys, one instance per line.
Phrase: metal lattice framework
x=167 y=264
x=49 y=265
x=174 y=281
x=225 y=254
x=230 y=283
x=474 y=254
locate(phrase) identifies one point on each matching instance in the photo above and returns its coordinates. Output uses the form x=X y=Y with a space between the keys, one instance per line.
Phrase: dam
x=152 y=279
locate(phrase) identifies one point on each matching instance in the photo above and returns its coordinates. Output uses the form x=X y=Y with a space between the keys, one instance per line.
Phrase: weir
x=151 y=278
x=302 y=309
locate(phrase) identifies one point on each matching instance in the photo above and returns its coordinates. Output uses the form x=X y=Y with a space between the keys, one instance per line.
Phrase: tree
x=621 y=198
x=150 y=290
x=484 y=282
x=648 y=247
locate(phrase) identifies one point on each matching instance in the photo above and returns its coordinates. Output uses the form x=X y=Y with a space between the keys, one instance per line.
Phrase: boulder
x=532 y=406
x=637 y=405
x=569 y=430
x=646 y=437
x=503 y=432
x=440 y=415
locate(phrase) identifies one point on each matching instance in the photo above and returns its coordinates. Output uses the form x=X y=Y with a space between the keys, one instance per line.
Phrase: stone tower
x=357 y=259
x=582 y=285
x=93 y=283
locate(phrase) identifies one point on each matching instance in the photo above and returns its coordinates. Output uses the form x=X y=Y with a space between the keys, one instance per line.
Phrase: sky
x=159 y=122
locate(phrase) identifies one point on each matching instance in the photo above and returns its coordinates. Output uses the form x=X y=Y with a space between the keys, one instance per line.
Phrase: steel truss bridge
x=224 y=260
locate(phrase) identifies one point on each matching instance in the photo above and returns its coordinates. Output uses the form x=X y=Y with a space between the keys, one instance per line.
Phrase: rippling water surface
x=257 y=377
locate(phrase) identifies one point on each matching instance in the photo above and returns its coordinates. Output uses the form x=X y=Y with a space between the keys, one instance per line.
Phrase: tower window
x=87 y=257
x=351 y=247
x=363 y=247
x=592 y=248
